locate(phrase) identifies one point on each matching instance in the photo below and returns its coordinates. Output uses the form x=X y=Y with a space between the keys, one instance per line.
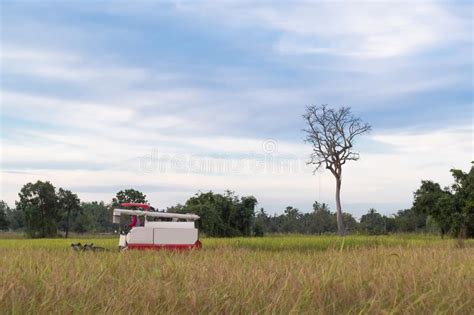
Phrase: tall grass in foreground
x=236 y=276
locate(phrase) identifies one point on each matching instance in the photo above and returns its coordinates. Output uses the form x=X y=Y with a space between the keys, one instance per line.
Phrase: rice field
x=276 y=274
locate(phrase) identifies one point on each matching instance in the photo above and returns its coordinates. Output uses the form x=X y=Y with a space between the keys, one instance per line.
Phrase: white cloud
x=358 y=29
x=378 y=179
x=63 y=112
x=394 y=176
x=12 y=54
x=67 y=66
x=131 y=112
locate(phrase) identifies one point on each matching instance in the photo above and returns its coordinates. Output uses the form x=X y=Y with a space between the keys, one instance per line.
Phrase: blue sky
x=176 y=97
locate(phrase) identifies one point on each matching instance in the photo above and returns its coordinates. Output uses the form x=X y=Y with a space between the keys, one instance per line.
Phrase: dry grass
x=425 y=277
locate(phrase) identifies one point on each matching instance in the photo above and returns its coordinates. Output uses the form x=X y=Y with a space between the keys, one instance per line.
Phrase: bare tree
x=332 y=133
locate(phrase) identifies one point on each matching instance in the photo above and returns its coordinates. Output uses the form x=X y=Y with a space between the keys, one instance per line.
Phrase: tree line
x=322 y=221
x=43 y=211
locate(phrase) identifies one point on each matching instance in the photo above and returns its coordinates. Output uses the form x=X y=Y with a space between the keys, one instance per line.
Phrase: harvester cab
x=151 y=229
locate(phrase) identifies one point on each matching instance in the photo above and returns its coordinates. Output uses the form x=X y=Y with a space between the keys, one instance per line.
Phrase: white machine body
x=173 y=234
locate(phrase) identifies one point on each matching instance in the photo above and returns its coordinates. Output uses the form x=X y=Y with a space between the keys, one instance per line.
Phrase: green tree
x=291 y=223
x=390 y=224
x=432 y=226
x=259 y=229
x=39 y=204
x=409 y=220
x=4 y=209
x=463 y=202
x=321 y=219
x=372 y=223
x=245 y=215
x=15 y=218
x=350 y=222
x=431 y=200
x=262 y=223
x=94 y=217
x=69 y=204
x=210 y=209
x=222 y=214
x=129 y=195
x=453 y=207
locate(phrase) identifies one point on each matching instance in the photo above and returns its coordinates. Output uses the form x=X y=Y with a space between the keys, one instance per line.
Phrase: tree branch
x=332 y=133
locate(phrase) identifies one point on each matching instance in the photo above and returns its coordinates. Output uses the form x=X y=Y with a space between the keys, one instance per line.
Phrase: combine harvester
x=172 y=231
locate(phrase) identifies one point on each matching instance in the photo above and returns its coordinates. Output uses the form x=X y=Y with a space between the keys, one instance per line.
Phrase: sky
x=176 y=97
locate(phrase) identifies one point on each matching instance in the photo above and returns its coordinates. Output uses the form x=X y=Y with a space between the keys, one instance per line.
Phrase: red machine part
x=138 y=205
x=143 y=206
x=176 y=247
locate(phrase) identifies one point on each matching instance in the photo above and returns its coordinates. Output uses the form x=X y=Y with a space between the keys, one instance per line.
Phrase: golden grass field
x=280 y=274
